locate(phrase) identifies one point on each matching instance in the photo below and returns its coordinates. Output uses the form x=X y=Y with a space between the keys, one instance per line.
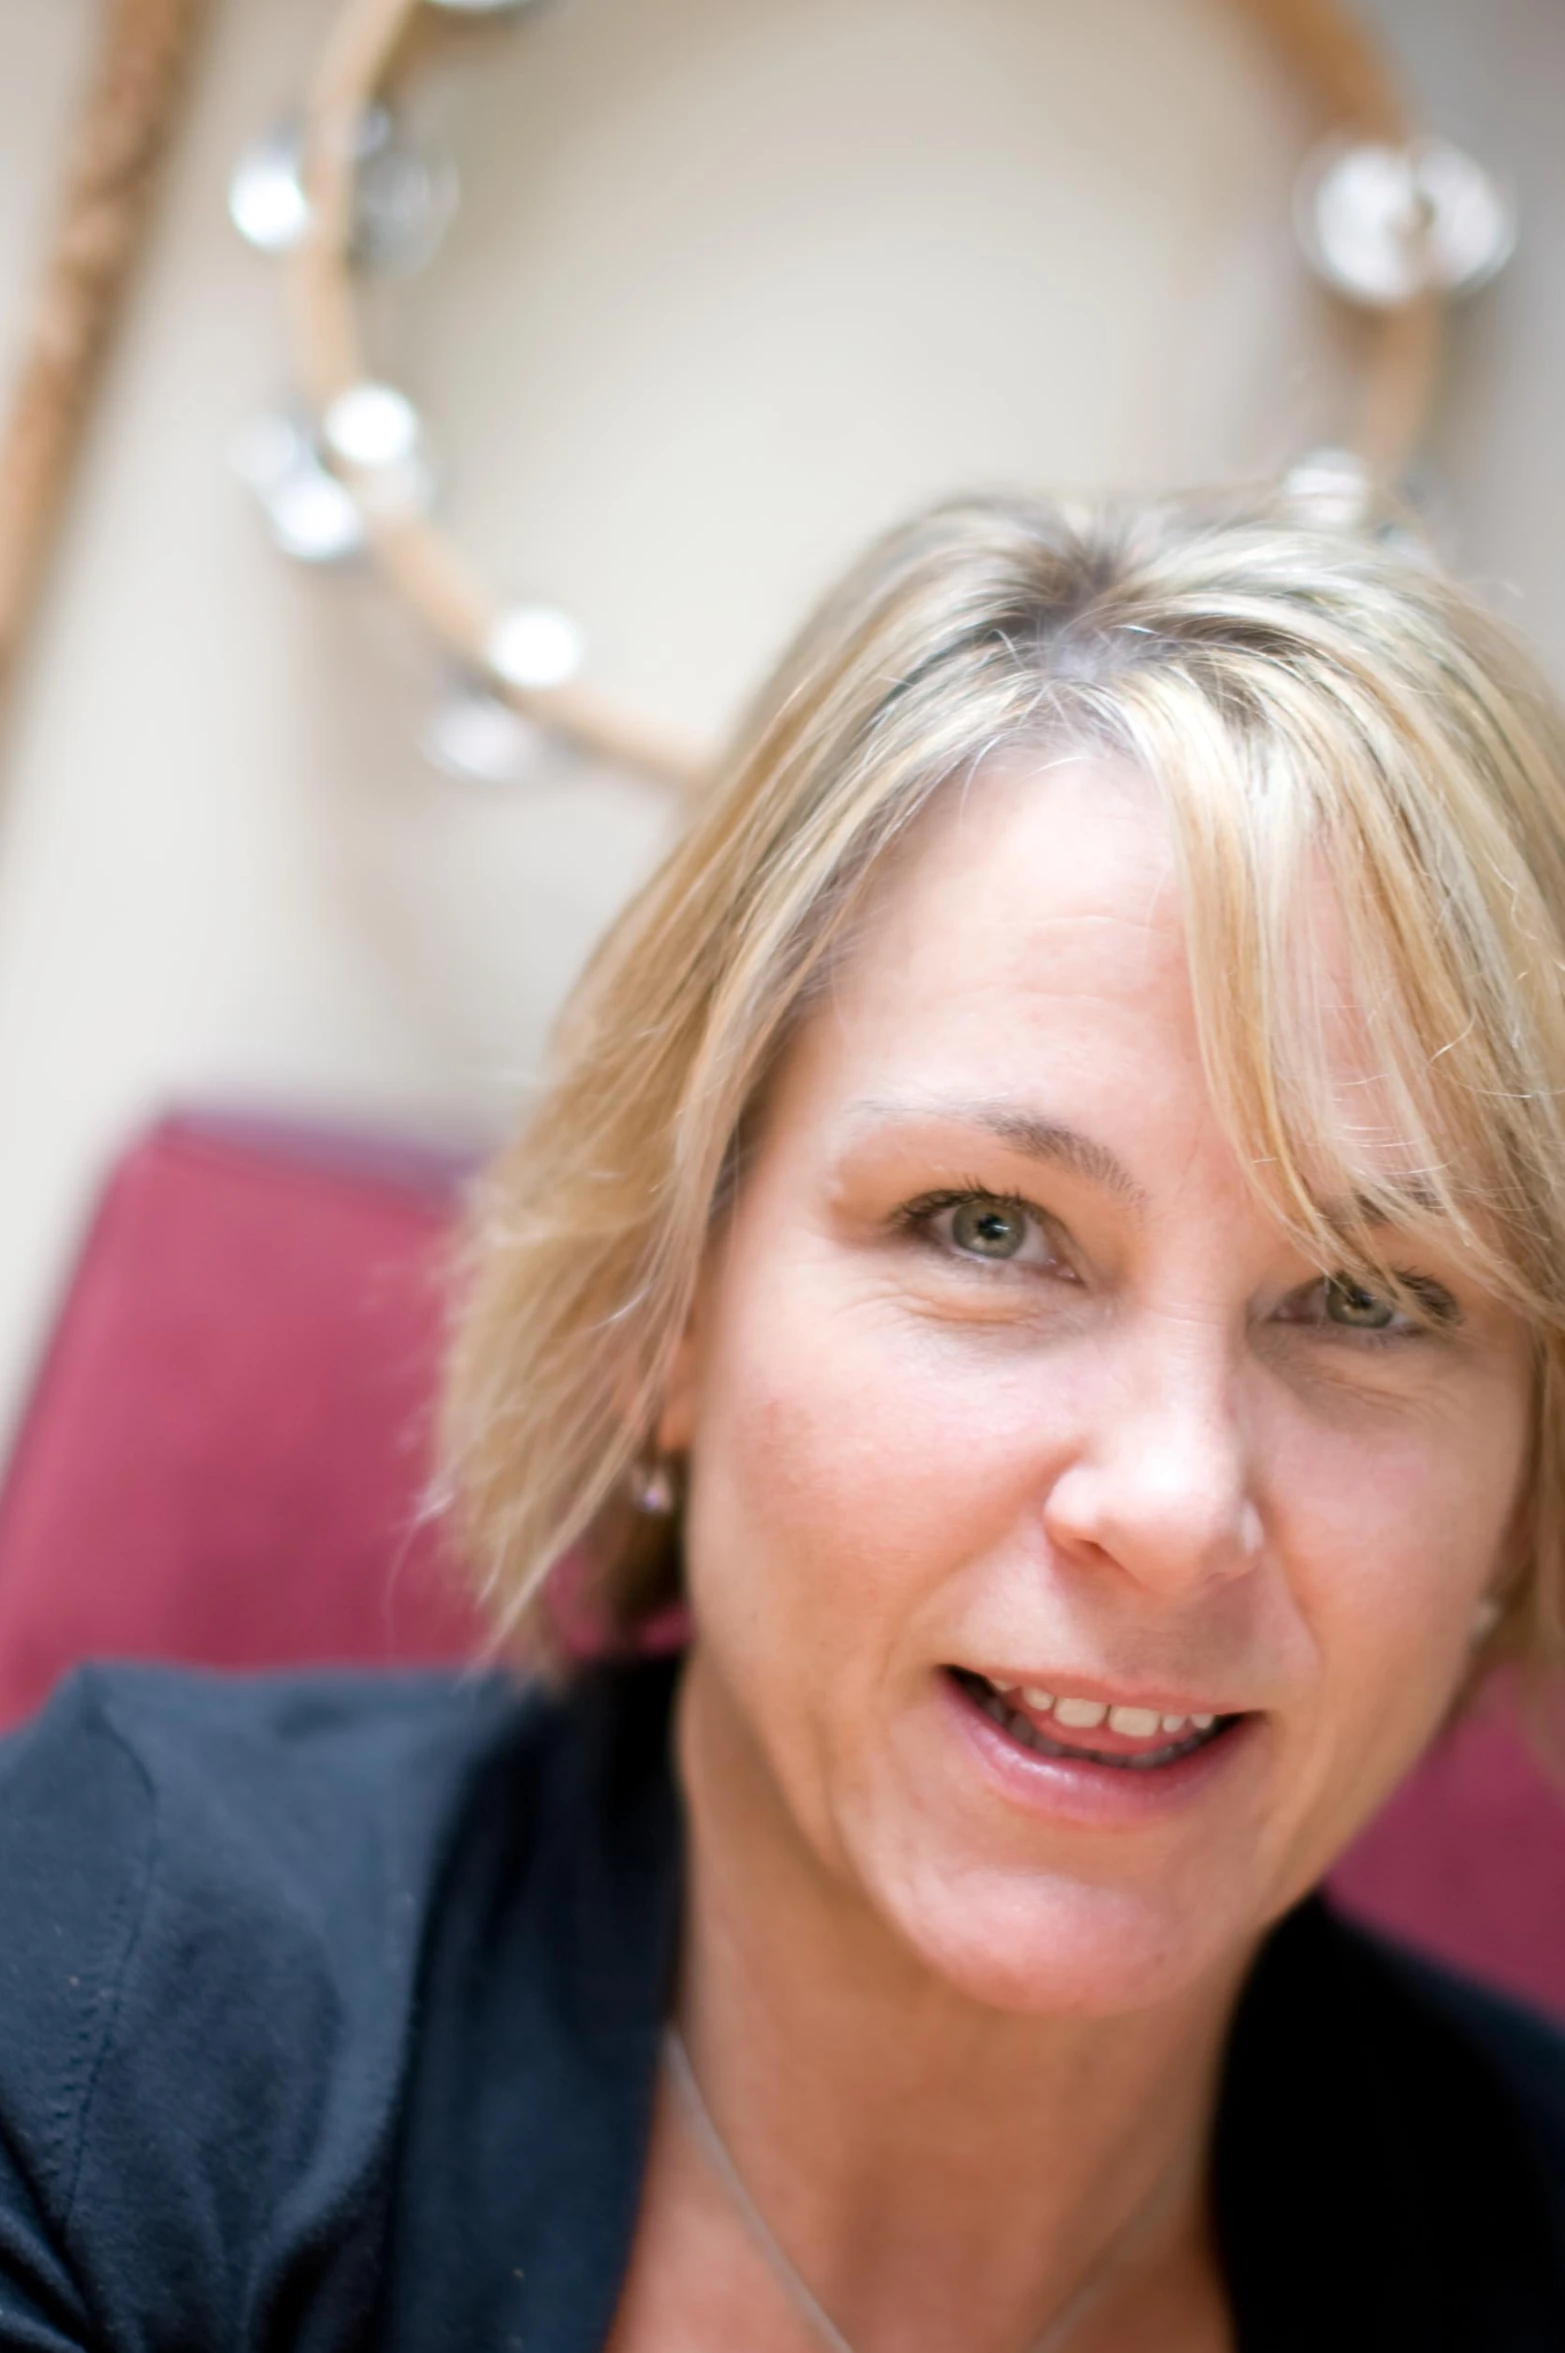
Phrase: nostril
x=1166 y=1519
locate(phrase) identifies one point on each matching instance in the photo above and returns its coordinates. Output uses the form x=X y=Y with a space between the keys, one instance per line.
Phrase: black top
x=329 y=2017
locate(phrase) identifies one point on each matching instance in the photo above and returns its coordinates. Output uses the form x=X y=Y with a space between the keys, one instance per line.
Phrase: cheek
x=1387 y=1545
x=849 y=1459
x=1392 y=1537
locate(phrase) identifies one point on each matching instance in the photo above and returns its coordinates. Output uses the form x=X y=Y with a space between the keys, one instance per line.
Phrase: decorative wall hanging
x=144 y=52
x=1393 y=224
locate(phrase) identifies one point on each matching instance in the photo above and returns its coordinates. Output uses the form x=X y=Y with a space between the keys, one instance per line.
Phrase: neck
x=939 y=2170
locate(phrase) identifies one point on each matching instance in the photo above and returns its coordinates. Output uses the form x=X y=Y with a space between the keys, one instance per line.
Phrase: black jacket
x=329 y=2016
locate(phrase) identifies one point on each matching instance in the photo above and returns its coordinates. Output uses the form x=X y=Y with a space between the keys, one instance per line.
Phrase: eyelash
x=1441 y=1314
x=917 y=1219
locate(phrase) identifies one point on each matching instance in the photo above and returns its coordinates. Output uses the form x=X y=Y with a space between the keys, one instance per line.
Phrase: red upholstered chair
x=225 y=1456
x=225 y=1459
x=1468 y=1859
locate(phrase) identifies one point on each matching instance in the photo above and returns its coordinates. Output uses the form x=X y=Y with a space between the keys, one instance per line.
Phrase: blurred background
x=728 y=287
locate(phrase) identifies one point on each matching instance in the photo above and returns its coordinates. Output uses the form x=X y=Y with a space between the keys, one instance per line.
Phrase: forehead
x=1036 y=902
x=1028 y=943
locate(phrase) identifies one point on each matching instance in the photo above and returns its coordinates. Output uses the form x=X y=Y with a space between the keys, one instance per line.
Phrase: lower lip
x=1067 y=1789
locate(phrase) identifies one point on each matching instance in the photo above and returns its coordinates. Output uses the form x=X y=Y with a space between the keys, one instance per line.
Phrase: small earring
x=652 y=1488
x=1486 y=1617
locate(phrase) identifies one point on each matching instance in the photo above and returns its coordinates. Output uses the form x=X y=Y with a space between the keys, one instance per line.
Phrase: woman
x=1048 y=1239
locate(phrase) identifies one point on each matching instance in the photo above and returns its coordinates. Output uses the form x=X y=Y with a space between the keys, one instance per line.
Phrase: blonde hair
x=1303 y=696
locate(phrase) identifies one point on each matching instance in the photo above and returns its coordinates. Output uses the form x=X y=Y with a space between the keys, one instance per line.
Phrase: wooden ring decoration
x=115 y=155
x=1326 y=51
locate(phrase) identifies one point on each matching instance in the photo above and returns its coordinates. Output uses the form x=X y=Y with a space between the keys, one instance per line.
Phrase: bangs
x=1353 y=953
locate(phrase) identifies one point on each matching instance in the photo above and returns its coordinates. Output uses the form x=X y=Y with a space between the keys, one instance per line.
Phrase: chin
x=1043 y=1943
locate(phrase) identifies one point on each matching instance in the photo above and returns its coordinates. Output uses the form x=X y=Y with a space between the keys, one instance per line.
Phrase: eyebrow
x=1379 y=1215
x=1033 y=1134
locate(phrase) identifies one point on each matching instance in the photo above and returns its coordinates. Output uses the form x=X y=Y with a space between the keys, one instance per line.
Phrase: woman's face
x=1003 y=1391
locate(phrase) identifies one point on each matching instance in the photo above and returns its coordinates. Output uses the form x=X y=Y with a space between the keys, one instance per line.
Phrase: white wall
x=731 y=287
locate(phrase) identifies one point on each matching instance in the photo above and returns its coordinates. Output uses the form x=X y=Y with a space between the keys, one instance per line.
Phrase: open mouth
x=1086 y=1731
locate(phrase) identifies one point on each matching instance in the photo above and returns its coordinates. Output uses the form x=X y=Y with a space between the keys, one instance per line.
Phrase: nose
x=1159 y=1482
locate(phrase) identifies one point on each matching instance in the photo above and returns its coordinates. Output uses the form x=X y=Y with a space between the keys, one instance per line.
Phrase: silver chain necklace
x=1101 y=2274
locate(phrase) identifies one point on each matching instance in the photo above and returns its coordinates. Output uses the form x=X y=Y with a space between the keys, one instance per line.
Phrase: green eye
x=1348 y=1302
x=987 y=1228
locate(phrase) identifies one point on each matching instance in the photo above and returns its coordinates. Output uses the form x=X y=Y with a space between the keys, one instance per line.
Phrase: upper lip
x=1063 y=1682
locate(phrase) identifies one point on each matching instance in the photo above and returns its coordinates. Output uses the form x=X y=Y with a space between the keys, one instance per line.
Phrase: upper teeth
x=1085 y=1715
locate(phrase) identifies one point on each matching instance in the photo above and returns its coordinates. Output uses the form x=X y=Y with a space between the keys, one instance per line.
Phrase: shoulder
x=1393 y=2130
x=216 y=1893
x=308 y=1804
x=1512 y=2050
x=1322 y=1978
